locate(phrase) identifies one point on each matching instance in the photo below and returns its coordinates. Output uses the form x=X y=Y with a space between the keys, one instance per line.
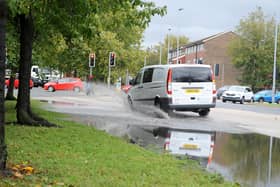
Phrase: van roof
x=178 y=65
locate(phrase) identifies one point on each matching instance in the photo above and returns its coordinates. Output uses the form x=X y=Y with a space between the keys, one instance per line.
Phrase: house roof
x=203 y=40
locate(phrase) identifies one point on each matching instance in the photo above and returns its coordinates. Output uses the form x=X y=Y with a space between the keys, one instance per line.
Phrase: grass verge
x=79 y=155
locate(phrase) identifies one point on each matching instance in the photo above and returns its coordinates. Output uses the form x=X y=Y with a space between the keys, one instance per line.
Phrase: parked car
x=268 y=98
x=125 y=88
x=221 y=90
x=36 y=81
x=16 y=83
x=238 y=94
x=179 y=87
x=39 y=82
x=261 y=95
x=74 y=84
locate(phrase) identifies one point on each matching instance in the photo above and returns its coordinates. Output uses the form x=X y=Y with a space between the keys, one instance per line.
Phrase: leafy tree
x=153 y=52
x=64 y=34
x=183 y=40
x=252 y=52
x=3 y=19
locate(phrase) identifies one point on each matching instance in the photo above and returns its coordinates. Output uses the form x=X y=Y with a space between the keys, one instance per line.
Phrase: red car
x=125 y=88
x=74 y=84
x=16 y=83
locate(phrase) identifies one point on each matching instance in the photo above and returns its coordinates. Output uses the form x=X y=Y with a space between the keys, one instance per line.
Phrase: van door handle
x=140 y=86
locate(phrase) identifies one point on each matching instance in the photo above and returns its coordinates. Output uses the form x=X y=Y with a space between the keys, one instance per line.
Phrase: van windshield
x=191 y=74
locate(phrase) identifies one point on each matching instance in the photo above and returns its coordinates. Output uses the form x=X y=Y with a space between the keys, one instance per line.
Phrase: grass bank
x=81 y=156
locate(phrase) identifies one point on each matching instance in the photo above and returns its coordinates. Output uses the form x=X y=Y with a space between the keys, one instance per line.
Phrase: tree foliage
x=252 y=51
x=60 y=35
x=153 y=52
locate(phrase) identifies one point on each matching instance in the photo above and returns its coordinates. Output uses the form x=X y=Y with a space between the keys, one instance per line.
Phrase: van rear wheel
x=203 y=113
x=157 y=104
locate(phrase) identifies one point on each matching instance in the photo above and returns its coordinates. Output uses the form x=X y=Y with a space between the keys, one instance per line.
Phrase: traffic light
x=92 y=60
x=112 y=59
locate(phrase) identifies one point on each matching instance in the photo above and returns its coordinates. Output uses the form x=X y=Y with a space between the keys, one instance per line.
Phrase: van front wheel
x=203 y=113
x=130 y=103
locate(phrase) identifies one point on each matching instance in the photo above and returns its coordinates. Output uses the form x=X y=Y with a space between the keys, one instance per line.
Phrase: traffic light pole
x=109 y=74
x=90 y=71
x=91 y=62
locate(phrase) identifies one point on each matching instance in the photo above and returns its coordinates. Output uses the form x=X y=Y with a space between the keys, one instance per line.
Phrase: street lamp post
x=274 y=63
x=168 y=45
x=177 y=61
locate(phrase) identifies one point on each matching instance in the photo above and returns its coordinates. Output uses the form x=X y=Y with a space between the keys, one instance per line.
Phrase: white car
x=238 y=94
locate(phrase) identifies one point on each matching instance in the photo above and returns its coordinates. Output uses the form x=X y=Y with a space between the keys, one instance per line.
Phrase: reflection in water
x=194 y=144
x=245 y=158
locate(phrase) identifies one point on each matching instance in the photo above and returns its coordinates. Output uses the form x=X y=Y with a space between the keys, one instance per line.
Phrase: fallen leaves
x=19 y=170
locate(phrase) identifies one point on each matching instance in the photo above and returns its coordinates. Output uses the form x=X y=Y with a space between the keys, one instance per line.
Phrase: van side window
x=148 y=75
x=138 y=78
x=158 y=74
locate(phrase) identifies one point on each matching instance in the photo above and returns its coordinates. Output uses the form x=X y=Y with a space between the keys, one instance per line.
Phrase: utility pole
x=274 y=63
x=160 y=51
x=168 y=45
x=177 y=61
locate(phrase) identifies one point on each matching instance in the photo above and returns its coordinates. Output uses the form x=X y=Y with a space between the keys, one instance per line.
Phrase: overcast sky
x=202 y=18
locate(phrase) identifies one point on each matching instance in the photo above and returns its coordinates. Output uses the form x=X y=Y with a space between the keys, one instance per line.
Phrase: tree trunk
x=24 y=113
x=26 y=41
x=3 y=147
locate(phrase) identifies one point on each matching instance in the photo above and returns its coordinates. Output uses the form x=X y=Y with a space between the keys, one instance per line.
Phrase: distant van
x=179 y=87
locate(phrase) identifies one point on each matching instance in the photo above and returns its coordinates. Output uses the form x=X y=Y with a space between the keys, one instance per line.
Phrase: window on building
x=200 y=61
x=201 y=47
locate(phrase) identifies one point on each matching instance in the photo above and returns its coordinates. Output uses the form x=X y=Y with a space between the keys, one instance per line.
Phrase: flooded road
x=235 y=143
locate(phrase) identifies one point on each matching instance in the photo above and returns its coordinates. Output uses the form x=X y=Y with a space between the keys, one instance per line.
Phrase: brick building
x=212 y=50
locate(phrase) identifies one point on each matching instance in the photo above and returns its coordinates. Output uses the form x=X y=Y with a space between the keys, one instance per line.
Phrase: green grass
x=274 y=105
x=81 y=156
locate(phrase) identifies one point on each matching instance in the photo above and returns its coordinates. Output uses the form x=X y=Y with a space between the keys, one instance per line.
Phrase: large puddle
x=249 y=159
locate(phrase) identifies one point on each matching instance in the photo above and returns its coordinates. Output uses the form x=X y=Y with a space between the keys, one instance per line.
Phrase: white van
x=180 y=87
